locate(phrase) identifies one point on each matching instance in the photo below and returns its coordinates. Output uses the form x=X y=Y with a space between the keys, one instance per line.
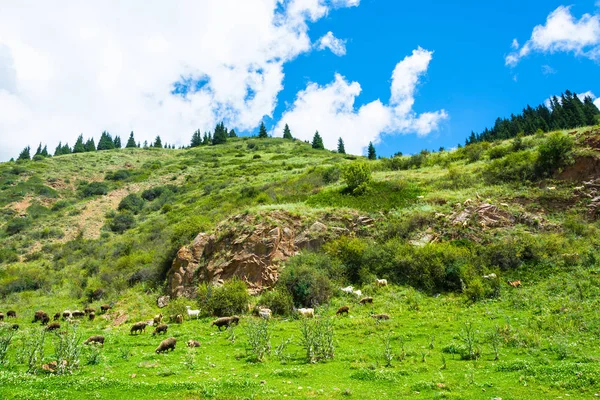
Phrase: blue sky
x=405 y=75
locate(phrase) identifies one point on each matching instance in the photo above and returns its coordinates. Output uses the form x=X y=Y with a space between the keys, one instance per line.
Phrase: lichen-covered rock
x=163 y=301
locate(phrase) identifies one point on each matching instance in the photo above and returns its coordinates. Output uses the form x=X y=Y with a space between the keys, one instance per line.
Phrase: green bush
x=119 y=175
x=497 y=152
x=553 y=154
x=93 y=189
x=308 y=287
x=331 y=175
x=280 y=302
x=230 y=299
x=515 y=167
x=17 y=225
x=8 y=255
x=122 y=222
x=131 y=202
x=357 y=176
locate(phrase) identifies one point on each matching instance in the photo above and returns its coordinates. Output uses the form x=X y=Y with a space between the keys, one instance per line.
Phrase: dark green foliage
x=553 y=154
x=90 y=145
x=317 y=142
x=8 y=255
x=307 y=285
x=93 y=189
x=220 y=135
x=62 y=149
x=262 y=132
x=371 y=154
x=132 y=203
x=516 y=167
x=157 y=191
x=79 y=146
x=357 y=176
x=287 y=134
x=223 y=301
x=206 y=139
x=25 y=154
x=131 y=142
x=196 y=139
x=117 y=142
x=121 y=222
x=118 y=175
x=590 y=111
x=340 y=147
x=280 y=302
x=332 y=174
x=232 y=134
x=106 y=142
x=17 y=225
x=157 y=143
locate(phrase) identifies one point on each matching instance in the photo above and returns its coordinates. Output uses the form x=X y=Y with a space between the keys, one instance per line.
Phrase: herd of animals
x=161 y=328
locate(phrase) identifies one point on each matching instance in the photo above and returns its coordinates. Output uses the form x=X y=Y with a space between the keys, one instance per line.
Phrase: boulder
x=163 y=301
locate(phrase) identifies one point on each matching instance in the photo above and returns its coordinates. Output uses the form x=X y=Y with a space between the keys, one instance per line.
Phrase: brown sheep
x=166 y=345
x=66 y=314
x=53 y=326
x=158 y=319
x=381 y=317
x=57 y=316
x=366 y=300
x=78 y=314
x=193 y=343
x=105 y=307
x=225 y=321
x=15 y=326
x=45 y=319
x=11 y=314
x=1 y=316
x=343 y=310
x=95 y=340
x=160 y=329
x=179 y=319
x=89 y=310
x=38 y=315
x=92 y=316
x=138 y=327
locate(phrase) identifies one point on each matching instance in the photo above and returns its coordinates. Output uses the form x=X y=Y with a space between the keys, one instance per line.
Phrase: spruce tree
x=232 y=133
x=262 y=132
x=196 y=139
x=45 y=152
x=117 y=142
x=341 y=149
x=79 y=146
x=157 y=142
x=90 y=145
x=105 y=142
x=66 y=149
x=371 y=154
x=145 y=144
x=131 y=142
x=590 y=111
x=317 y=142
x=220 y=135
x=58 y=150
x=287 y=134
x=25 y=154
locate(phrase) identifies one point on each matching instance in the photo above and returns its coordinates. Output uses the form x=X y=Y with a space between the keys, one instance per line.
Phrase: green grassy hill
x=104 y=227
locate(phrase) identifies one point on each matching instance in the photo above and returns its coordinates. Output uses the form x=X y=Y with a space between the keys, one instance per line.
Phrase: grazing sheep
x=307 y=312
x=66 y=314
x=11 y=314
x=381 y=282
x=1 y=316
x=265 y=313
x=105 y=307
x=15 y=326
x=358 y=293
x=89 y=310
x=160 y=329
x=366 y=300
x=45 y=319
x=53 y=326
x=92 y=316
x=514 y=284
x=490 y=276
x=158 y=319
x=190 y=312
x=57 y=316
x=193 y=343
x=95 y=340
x=381 y=317
x=138 y=327
x=165 y=345
x=78 y=314
x=343 y=310
x=348 y=290
x=225 y=321
x=38 y=315
x=179 y=319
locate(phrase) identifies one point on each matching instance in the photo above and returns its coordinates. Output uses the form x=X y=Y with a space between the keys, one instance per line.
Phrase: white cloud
x=562 y=33
x=515 y=44
x=337 y=46
x=548 y=70
x=71 y=67
x=330 y=109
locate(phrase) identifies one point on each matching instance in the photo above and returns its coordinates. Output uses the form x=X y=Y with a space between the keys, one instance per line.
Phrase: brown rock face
x=251 y=247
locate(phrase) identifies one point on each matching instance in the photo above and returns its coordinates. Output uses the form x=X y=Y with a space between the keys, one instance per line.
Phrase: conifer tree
x=25 y=154
x=90 y=145
x=145 y=144
x=317 y=142
x=341 y=149
x=39 y=150
x=79 y=146
x=131 y=142
x=157 y=142
x=232 y=133
x=66 y=149
x=262 y=132
x=44 y=152
x=590 y=111
x=371 y=154
x=58 y=150
x=105 y=142
x=196 y=139
x=220 y=135
x=206 y=139
x=117 y=142
x=287 y=134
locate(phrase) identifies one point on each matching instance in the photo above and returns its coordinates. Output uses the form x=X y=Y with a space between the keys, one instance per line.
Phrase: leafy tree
x=117 y=142
x=105 y=142
x=79 y=146
x=232 y=133
x=220 y=135
x=196 y=139
x=287 y=134
x=262 y=132
x=317 y=142
x=158 y=143
x=341 y=149
x=90 y=145
x=371 y=154
x=25 y=154
x=131 y=142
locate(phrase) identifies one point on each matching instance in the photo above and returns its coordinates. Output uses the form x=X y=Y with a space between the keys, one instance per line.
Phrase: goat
x=66 y=314
x=78 y=314
x=195 y=313
x=514 y=284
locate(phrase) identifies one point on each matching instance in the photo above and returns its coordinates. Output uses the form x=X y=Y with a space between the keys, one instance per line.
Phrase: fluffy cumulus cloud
x=70 y=67
x=562 y=33
x=328 y=41
x=331 y=110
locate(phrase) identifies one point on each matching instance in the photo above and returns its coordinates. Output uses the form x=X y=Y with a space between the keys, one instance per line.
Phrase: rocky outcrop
x=251 y=247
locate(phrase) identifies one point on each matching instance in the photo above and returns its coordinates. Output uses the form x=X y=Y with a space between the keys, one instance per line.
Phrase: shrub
x=131 y=202
x=119 y=175
x=259 y=339
x=93 y=189
x=515 y=167
x=122 y=222
x=280 y=302
x=306 y=285
x=229 y=299
x=553 y=154
x=155 y=192
x=17 y=225
x=8 y=255
x=357 y=176
x=497 y=152
x=331 y=175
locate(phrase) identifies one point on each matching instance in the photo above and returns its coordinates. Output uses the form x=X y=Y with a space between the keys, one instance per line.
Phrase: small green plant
x=67 y=351
x=6 y=336
x=495 y=340
x=259 y=340
x=317 y=339
x=469 y=340
x=388 y=354
x=280 y=350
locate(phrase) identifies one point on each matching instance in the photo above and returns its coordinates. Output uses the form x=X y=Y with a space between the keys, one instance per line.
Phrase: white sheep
x=490 y=276
x=348 y=290
x=381 y=282
x=195 y=313
x=307 y=312
x=358 y=293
